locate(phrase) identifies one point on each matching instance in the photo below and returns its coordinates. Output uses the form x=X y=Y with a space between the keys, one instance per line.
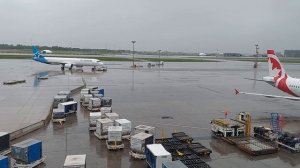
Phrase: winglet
x=236 y=91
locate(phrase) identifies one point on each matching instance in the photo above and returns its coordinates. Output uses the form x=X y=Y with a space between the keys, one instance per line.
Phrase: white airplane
x=65 y=62
x=47 y=52
x=279 y=79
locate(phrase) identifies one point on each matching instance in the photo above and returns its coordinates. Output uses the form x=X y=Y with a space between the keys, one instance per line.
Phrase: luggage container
x=58 y=115
x=86 y=99
x=112 y=116
x=94 y=104
x=83 y=92
x=93 y=120
x=138 y=144
x=174 y=164
x=114 y=138
x=145 y=129
x=68 y=107
x=4 y=162
x=105 y=110
x=27 y=152
x=156 y=155
x=75 y=161
x=4 y=143
x=106 y=102
x=97 y=91
x=126 y=127
x=102 y=127
x=59 y=99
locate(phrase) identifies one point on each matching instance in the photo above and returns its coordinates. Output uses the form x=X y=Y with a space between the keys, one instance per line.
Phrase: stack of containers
x=105 y=110
x=94 y=104
x=68 y=107
x=75 y=161
x=156 y=155
x=93 y=120
x=27 y=152
x=100 y=93
x=4 y=142
x=174 y=164
x=59 y=99
x=144 y=128
x=114 y=137
x=82 y=93
x=138 y=144
x=112 y=116
x=126 y=126
x=86 y=99
x=4 y=162
x=106 y=102
x=58 y=115
x=102 y=127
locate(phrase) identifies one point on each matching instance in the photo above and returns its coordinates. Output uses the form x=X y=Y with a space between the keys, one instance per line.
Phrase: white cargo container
x=114 y=138
x=75 y=161
x=86 y=99
x=126 y=126
x=112 y=116
x=94 y=104
x=114 y=133
x=83 y=92
x=156 y=155
x=144 y=128
x=102 y=127
x=139 y=141
x=93 y=120
x=58 y=115
x=68 y=107
x=105 y=110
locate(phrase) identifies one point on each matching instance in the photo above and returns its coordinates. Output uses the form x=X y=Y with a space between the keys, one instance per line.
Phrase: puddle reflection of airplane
x=44 y=76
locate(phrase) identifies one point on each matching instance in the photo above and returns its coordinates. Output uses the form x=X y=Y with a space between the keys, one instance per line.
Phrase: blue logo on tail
x=37 y=56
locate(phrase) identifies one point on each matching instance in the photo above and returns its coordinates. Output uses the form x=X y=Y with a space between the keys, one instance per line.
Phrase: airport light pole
x=159 y=54
x=256 y=60
x=133 y=53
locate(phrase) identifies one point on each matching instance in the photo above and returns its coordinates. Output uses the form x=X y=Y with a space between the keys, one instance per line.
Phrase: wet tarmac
x=175 y=97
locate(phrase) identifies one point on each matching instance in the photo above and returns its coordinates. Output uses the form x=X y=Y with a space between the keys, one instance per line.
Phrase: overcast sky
x=173 y=25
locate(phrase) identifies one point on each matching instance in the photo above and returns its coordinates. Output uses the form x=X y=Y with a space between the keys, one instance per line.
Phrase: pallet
x=6 y=152
x=94 y=109
x=84 y=104
x=92 y=128
x=114 y=145
x=16 y=165
x=137 y=155
x=59 y=120
x=101 y=137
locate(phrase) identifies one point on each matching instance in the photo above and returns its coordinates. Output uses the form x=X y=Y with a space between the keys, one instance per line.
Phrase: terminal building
x=292 y=53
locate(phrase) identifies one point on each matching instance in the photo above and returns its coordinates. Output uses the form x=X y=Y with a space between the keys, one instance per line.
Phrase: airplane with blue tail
x=65 y=62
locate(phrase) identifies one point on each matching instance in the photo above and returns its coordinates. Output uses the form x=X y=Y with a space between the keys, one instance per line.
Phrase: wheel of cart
x=18 y=165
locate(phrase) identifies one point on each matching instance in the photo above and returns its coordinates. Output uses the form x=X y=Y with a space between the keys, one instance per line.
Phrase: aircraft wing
x=268 y=96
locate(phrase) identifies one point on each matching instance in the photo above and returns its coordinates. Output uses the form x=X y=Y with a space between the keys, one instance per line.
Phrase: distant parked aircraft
x=47 y=52
x=279 y=79
x=66 y=62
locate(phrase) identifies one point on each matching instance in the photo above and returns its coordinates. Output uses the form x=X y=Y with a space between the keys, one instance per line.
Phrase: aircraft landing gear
x=94 y=68
x=62 y=68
